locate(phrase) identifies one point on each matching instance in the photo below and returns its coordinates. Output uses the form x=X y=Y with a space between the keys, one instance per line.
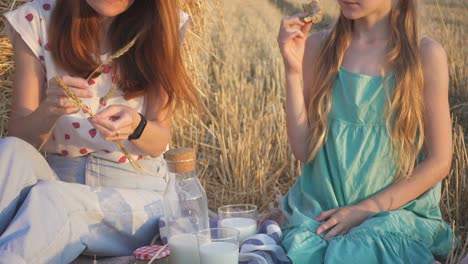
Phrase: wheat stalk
x=115 y=56
x=76 y=100
x=123 y=50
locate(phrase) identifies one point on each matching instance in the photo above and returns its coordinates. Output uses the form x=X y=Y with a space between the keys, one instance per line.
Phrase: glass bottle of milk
x=185 y=206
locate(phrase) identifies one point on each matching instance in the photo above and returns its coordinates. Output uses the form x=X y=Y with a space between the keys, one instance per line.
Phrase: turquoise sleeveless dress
x=354 y=164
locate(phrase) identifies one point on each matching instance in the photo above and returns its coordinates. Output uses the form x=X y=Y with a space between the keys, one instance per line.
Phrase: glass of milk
x=184 y=249
x=242 y=217
x=218 y=246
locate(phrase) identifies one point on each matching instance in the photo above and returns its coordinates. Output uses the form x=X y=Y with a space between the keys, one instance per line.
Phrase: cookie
x=314 y=10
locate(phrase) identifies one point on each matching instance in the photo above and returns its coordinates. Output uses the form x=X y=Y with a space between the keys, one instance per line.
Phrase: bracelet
x=139 y=129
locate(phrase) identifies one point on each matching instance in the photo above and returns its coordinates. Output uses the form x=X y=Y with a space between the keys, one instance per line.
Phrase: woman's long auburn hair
x=154 y=62
x=405 y=108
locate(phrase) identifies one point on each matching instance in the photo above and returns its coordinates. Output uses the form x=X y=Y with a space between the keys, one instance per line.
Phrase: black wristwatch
x=139 y=129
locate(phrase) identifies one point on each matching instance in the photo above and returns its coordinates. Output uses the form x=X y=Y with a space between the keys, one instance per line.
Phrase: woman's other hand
x=291 y=41
x=116 y=122
x=57 y=100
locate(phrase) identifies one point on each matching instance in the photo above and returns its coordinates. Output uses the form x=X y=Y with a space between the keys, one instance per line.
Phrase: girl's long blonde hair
x=405 y=108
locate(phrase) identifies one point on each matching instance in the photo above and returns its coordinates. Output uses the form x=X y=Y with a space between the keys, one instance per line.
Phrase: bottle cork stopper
x=180 y=160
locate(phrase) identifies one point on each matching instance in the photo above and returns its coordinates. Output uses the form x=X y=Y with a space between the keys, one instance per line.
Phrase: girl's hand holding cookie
x=116 y=122
x=57 y=100
x=291 y=41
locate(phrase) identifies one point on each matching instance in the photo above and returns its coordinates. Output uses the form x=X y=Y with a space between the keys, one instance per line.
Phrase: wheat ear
x=123 y=50
x=82 y=106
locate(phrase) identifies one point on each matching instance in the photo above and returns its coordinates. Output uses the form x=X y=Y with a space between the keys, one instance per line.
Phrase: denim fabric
x=45 y=220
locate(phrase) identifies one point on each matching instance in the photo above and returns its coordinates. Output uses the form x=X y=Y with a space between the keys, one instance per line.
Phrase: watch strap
x=139 y=129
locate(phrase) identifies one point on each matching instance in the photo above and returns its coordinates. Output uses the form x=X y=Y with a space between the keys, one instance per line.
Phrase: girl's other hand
x=291 y=41
x=57 y=100
x=116 y=122
x=339 y=221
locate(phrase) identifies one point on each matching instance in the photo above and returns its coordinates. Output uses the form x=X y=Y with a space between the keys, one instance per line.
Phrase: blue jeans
x=49 y=213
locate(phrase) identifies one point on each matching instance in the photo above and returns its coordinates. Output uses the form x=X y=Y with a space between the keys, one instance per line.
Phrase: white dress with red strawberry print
x=73 y=135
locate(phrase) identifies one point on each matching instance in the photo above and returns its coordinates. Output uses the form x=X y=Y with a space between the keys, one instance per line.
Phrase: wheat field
x=242 y=150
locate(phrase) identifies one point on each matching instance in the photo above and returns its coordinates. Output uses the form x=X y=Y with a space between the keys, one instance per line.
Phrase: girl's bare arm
x=298 y=92
x=300 y=57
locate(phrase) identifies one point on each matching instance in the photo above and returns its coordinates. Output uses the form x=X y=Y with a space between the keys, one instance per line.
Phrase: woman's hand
x=116 y=122
x=291 y=41
x=58 y=103
x=339 y=221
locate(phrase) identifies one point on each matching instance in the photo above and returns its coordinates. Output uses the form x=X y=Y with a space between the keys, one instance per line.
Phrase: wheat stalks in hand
x=138 y=168
x=73 y=97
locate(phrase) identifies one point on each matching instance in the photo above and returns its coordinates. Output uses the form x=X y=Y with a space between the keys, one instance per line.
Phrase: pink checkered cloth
x=148 y=252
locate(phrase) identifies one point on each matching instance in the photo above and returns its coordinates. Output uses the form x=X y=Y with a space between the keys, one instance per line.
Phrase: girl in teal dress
x=368 y=115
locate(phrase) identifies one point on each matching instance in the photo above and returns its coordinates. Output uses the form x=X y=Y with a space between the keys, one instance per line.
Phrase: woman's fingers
x=78 y=86
x=65 y=111
x=112 y=135
x=62 y=105
x=63 y=102
x=76 y=82
x=58 y=101
x=109 y=112
x=114 y=124
x=78 y=92
x=113 y=117
x=82 y=93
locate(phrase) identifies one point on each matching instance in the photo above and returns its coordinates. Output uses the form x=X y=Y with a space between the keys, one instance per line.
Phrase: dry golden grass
x=6 y=70
x=241 y=140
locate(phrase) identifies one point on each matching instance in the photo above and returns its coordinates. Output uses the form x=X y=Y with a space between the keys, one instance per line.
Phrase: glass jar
x=185 y=206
